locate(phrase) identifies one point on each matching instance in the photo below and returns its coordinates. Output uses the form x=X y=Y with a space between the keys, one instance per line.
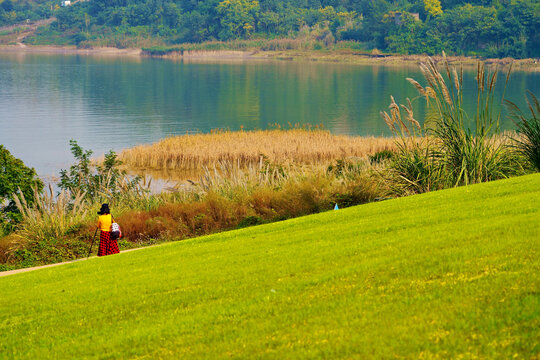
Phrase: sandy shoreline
x=340 y=56
x=49 y=49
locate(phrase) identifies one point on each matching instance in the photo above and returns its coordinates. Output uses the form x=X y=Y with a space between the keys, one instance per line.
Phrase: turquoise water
x=113 y=103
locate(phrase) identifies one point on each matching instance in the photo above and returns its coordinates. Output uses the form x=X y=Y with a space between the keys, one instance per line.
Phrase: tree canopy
x=495 y=28
x=14 y=175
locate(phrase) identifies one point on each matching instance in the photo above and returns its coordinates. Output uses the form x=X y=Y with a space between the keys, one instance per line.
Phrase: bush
x=33 y=252
x=98 y=183
x=15 y=177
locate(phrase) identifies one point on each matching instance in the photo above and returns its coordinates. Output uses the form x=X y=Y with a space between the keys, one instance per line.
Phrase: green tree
x=238 y=18
x=14 y=175
x=433 y=7
x=98 y=182
x=469 y=29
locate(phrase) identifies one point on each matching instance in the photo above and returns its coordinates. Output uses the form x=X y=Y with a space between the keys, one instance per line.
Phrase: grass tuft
x=528 y=142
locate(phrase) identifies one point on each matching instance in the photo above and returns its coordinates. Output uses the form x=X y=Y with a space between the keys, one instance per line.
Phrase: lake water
x=113 y=103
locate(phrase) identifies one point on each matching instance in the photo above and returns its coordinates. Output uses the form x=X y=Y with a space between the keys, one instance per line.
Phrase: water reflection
x=117 y=102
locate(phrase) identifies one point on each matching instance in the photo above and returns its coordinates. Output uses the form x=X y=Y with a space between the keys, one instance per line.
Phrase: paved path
x=17 y=271
x=11 y=272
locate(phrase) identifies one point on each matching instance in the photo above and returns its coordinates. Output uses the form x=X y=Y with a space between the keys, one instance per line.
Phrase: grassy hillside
x=449 y=274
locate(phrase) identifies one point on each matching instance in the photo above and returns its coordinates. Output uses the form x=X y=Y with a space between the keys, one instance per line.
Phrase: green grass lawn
x=450 y=274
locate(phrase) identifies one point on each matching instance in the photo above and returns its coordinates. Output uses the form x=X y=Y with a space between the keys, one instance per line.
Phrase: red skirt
x=107 y=246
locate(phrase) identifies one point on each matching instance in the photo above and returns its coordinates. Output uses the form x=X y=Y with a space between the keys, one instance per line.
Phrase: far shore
x=326 y=56
x=51 y=49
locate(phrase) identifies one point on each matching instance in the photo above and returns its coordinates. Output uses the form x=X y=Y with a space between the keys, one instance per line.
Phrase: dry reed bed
x=250 y=148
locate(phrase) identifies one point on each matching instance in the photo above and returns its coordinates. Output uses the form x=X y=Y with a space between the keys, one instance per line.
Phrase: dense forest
x=14 y=12
x=491 y=28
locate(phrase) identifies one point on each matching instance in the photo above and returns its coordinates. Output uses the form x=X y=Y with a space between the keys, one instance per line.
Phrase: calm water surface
x=114 y=103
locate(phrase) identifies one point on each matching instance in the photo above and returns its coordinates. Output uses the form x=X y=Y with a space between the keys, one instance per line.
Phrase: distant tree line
x=13 y=12
x=495 y=28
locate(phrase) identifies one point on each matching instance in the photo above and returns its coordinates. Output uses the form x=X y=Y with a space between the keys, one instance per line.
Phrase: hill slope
x=448 y=274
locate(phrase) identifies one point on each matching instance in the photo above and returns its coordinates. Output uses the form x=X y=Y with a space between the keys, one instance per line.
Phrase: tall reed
x=49 y=228
x=413 y=168
x=528 y=141
x=50 y=216
x=246 y=148
x=455 y=153
x=470 y=155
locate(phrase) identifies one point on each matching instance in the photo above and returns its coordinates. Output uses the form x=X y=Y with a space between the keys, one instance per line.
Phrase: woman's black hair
x=104 y=209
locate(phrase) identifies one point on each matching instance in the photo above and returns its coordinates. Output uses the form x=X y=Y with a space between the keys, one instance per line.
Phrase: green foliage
x=486 y=28
x=15 y=177
x=160 y=50
x=415 y=169
x=528 y=141
x=19 y=12
x=413 y=36
x=345 y=168
x=237 y=18
x=250 y=221
x=99 y=183
x=51 y=217
x=46 y=250
x=433 y=7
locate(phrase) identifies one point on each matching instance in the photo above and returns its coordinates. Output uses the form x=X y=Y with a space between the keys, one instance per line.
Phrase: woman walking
x=107 y=246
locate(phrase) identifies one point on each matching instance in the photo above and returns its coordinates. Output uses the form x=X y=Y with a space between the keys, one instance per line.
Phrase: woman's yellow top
x=105 y=222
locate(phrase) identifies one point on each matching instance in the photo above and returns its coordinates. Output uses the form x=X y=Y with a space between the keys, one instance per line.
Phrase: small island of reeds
x=296 y=146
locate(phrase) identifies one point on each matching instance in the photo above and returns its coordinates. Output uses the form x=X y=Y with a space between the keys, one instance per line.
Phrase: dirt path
x=21 y=37
x=28 y=25
x=26 y=29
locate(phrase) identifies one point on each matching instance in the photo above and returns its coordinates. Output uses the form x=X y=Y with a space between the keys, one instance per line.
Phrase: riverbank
x=352 y=57
x=68 y=50
x=346 y=56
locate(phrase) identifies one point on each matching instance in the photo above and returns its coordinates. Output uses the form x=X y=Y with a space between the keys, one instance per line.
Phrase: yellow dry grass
x=248 y=148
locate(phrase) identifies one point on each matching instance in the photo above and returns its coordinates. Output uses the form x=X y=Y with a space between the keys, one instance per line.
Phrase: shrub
x=60 y=227
x=15 y=177
x=342 y=167
x=416 y=169
x=362 y=190
x=99 y=183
